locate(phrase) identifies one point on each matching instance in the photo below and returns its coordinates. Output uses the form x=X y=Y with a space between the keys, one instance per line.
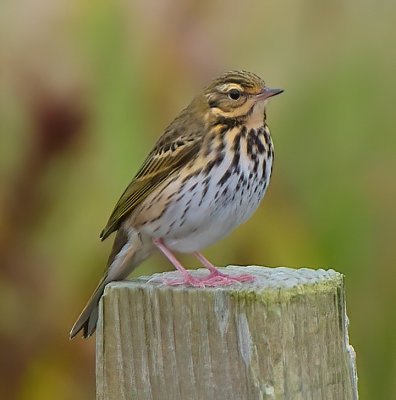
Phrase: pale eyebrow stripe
x=228 y=86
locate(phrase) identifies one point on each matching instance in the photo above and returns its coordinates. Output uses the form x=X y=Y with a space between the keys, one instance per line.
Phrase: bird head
x=236 y=94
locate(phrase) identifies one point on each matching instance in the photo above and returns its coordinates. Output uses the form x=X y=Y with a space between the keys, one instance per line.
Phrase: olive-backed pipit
x=206 y=175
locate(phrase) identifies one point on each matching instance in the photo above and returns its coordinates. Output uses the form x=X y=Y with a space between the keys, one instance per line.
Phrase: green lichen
x=251 y=295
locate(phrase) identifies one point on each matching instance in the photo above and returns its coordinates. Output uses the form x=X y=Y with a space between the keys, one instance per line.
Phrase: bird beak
x=268 y=92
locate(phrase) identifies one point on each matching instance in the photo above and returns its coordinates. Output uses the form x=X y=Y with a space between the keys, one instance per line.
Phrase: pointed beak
x=268 y=92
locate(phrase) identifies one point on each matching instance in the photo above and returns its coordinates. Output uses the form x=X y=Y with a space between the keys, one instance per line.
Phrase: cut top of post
x=265 y=279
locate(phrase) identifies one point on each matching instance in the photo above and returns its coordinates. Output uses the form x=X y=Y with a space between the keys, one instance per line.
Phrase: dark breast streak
x=259 y=149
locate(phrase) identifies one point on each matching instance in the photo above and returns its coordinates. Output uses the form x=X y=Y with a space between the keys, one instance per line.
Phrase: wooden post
x=284 y=336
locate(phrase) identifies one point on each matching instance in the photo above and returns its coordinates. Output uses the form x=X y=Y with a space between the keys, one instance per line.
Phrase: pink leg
x=217 y=278
x=187 y=279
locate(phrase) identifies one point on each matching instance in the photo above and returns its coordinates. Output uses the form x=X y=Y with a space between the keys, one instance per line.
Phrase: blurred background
x=87 y=87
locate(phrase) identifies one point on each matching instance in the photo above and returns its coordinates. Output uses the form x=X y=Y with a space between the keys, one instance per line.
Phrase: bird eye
x=234 y=94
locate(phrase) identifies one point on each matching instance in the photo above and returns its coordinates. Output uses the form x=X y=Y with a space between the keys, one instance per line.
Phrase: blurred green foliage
x=86 y=89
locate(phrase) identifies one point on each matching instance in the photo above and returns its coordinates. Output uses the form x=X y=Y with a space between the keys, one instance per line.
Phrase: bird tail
x=88 y=318
x=129 y=250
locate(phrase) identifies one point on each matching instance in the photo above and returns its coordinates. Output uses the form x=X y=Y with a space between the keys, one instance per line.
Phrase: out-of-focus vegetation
x=86 y=87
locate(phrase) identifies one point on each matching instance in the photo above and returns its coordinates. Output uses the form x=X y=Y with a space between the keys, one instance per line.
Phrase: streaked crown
x=243 y=80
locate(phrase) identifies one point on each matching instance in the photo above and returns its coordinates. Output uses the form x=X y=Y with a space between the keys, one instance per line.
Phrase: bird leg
x=187 y=278
x=217 y=278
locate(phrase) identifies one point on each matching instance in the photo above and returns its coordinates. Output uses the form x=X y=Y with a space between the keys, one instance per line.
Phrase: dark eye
x=234 y=94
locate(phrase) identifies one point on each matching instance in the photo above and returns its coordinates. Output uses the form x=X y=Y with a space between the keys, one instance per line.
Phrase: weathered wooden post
x=283 y=336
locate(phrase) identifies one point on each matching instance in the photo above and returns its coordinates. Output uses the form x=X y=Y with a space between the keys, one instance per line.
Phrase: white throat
x=257 y=117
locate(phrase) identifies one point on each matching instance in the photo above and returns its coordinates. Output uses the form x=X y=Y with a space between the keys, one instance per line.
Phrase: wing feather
x=162 y=162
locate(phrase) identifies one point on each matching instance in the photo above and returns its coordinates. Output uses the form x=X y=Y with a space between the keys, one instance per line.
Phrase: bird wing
x=164 y=160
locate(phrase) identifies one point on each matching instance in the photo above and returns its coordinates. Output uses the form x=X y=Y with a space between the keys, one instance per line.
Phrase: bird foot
x=220 y=279
x=185 y=280
x=213 y=280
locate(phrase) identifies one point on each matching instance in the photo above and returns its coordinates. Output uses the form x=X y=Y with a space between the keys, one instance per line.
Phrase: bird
x=206 y=174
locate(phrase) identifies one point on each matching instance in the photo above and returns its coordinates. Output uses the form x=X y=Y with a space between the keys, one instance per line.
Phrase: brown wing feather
x=162 y=162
